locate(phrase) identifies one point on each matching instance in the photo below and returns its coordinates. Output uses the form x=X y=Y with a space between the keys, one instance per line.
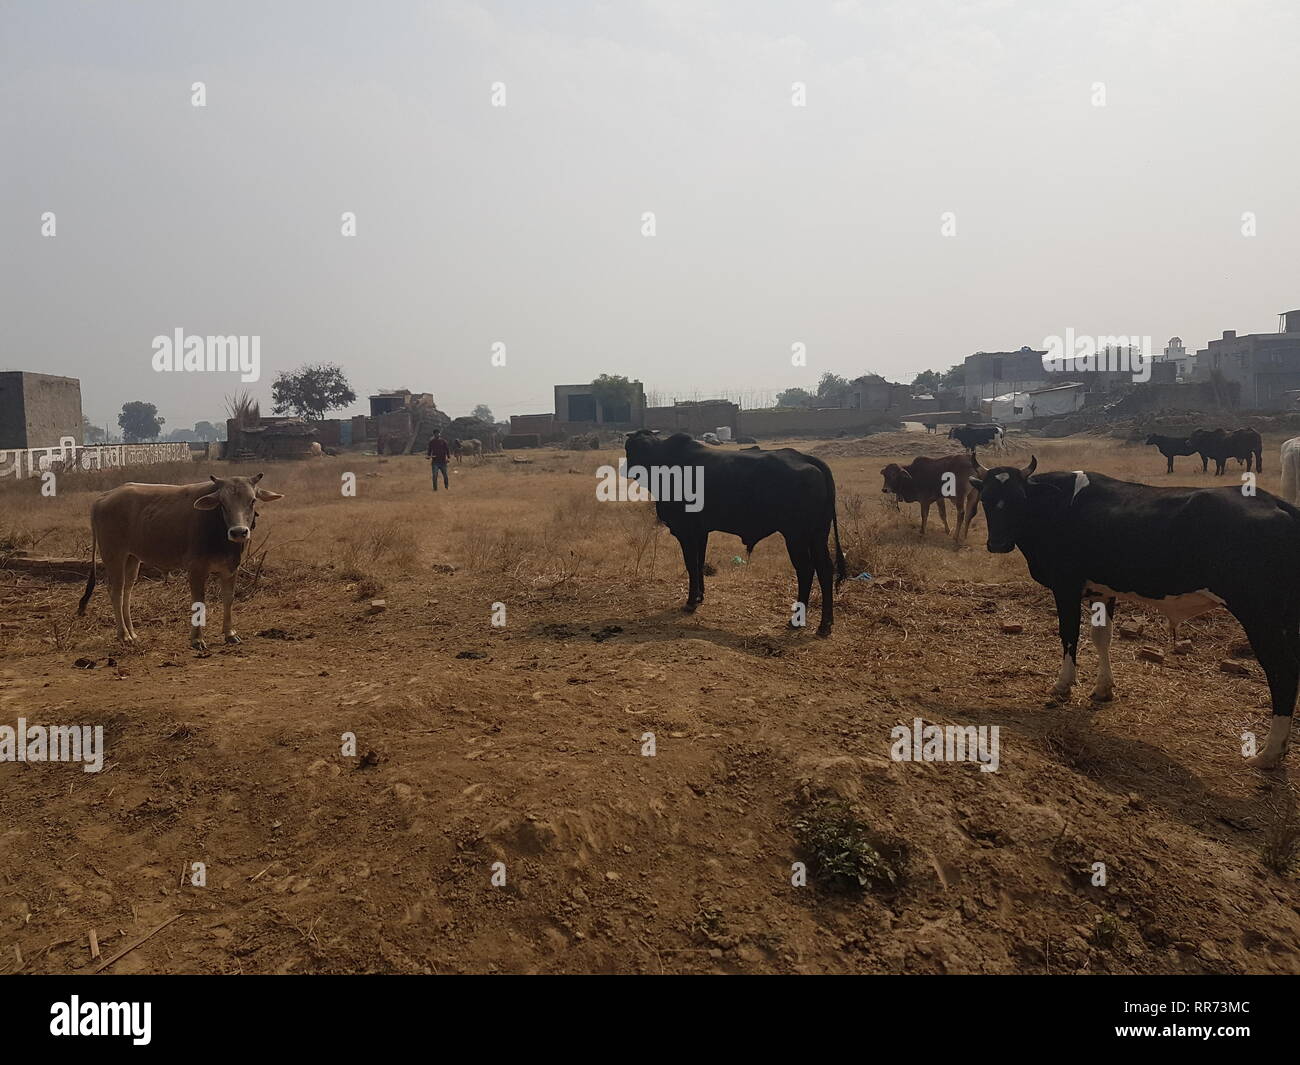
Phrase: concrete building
x=990 y=374
x=1265 y=365
x=578 y=405
x=1184 y=361
x=38 y=410
x=696 y=417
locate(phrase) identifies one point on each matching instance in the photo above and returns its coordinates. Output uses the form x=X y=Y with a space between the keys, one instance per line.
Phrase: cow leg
x=702 y=547
x=1067 y=623
x=198 y=589
x=821 y=558
x=115 y=574
x=925 y=513
x=943 y=515
x=802 y=560
x=1104 y=690
x=688 y=557
x=1171 y=464
x=1276 y=653
x=131 y=572
x=227 y=601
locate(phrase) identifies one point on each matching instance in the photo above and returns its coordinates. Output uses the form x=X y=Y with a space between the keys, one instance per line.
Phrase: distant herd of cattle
x=1085 y=536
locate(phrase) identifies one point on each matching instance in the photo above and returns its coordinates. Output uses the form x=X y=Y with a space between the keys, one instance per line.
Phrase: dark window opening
x=582 y=408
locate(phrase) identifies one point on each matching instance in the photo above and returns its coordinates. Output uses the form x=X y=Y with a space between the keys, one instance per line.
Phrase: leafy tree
x=139 y=421
x=954 y=378
x=615 y=395
x=927 y=381
x=483 y=413
x=92 y=434
x=209 y=431
x=311 y=391
x=794 y=397
x=831 y=385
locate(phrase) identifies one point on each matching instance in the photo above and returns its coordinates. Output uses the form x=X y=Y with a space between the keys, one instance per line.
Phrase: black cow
x=751 y=494
x=1169 y=446
x=1221 y=445
x=981 y=434
x=930 y=427
x=1181 y=551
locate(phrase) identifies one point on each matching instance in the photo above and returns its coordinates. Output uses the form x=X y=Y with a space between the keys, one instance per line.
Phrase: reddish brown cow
x=926 y=481
x=200 y=528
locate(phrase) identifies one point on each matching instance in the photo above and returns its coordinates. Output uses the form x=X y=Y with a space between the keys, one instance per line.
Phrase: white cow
x=1291 y=471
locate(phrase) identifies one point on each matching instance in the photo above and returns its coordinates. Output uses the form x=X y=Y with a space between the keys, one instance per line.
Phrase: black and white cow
x=752 y=493
x=982 y=434
x=1180 y=551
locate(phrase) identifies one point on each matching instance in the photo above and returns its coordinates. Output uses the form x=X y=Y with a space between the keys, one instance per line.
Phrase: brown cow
x=926 y=481
x=200 y=528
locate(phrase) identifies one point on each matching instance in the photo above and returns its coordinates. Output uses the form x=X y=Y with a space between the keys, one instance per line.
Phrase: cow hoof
x=823 y=632
x=1099 y=696
x=199 y=645
x=689 y=608
x=232 y=638
x=1263 y=763
x=1057 y=696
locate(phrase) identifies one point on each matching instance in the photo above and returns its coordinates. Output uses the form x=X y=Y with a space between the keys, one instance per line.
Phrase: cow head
x=1006 y=494
x=235 y=497
x=898 y=481
x=642 y=447
x=1152 y=439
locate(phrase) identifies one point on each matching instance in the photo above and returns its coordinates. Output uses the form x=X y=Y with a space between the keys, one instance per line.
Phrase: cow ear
x=265 y=495
x=255 y=478
x=976 y=483
x=207 y=502
x=213 y=478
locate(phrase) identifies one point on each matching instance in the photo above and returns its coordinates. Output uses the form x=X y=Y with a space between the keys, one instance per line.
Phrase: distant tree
x=181 y=436
x=139 y=421
x=954 y=378
x=794 y=397
x=615 y=395
x=311 y=391
x=831 y=385
x=483 y=413
x=927 y=381
x=208 y=431
x=91 y=434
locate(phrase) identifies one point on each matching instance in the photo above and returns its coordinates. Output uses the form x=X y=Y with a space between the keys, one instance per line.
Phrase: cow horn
x=1028 y=471
x=980 y=471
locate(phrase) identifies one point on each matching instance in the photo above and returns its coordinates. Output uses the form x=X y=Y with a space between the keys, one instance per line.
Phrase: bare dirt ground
x=523 y=745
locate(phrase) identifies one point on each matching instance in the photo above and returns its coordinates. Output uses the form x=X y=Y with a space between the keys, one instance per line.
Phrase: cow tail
x=841 y=570
x=90 y=578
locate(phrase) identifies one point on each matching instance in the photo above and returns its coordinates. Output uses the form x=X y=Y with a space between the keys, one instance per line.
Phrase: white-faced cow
x=1180 y=551
x=750 y=493
x=1291 y=471
x=199 y=528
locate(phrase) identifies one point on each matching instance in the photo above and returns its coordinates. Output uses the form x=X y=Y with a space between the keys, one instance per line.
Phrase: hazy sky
x=522 y=224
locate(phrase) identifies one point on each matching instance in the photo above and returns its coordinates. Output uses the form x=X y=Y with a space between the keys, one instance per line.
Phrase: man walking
x=439 y=453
